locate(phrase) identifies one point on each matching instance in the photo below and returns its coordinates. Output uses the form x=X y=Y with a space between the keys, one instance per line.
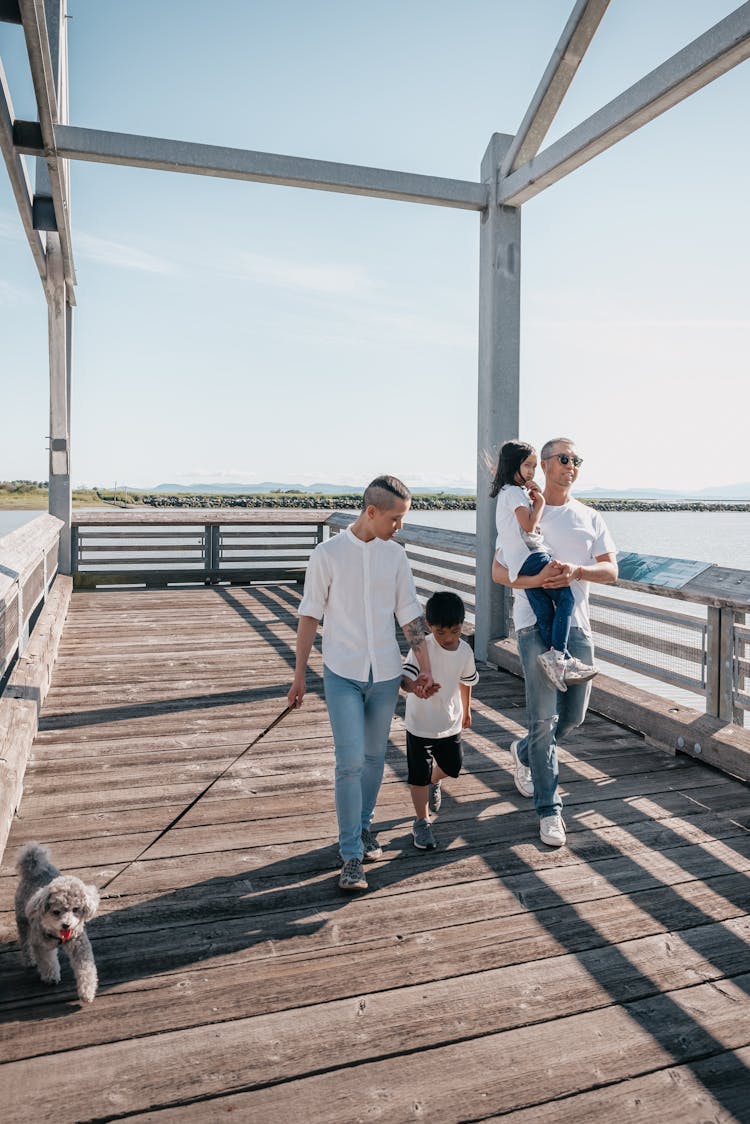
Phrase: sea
x=721 y=537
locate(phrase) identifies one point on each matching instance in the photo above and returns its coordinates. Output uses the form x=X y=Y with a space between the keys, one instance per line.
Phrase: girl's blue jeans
x=550 y=714
x=553 y=608
x=360 y=715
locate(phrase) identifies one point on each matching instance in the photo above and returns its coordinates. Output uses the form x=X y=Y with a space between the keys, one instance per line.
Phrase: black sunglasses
x=565 y=458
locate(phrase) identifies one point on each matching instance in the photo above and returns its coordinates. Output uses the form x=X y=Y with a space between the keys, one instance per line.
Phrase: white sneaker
x=521 y=772
x=552 y=830
x=576 y=671
x=552 y=664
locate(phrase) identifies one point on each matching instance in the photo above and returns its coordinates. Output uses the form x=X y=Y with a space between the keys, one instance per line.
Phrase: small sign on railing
x=669 y=573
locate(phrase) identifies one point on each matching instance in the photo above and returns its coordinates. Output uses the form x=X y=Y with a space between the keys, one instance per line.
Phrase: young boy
x=359 y=581
x=434 y=723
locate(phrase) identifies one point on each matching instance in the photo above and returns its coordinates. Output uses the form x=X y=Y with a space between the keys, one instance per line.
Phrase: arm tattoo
x=415 y=632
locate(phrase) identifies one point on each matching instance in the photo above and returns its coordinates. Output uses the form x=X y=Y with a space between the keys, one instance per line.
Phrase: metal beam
x=561 y=70
x=45 y=74
x=499 y=382
x=712 y=54
x=19 y=179
x=102 y=147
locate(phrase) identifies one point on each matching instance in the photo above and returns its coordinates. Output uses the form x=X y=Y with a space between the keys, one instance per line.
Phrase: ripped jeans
x=551 y=714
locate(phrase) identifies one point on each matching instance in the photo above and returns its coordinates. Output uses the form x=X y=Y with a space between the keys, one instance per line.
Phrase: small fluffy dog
x=52 y=910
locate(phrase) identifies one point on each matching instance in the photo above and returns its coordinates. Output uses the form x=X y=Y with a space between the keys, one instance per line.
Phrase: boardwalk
x=606 y=981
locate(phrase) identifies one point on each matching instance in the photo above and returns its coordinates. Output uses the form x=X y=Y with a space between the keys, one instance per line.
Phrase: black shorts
x=420 y=753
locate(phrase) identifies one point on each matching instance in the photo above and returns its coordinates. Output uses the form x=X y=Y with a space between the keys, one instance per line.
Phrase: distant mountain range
x=274 y=486
x=726 y=492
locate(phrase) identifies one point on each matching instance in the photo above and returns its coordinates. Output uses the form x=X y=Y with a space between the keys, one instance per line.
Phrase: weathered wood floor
x=496 y=977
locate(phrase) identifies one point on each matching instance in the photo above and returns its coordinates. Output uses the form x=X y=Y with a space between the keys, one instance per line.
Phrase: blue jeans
x=360 y=715
x=549 y=714
x=553 y=608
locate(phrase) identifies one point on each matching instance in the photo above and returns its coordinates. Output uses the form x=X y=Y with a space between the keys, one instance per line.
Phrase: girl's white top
x=516 y=545
x=357 y=588
x=442 y=714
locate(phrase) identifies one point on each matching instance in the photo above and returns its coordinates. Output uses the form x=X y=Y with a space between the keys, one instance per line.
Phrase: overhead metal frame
x=513 y=171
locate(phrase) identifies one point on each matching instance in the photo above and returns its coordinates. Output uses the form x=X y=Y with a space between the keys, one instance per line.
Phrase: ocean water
x=722 y=537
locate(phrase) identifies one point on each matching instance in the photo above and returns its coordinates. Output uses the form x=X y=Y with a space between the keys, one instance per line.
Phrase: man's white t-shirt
x=357 y=588
x=514 y=543
x=442 y=714
x=576 y=534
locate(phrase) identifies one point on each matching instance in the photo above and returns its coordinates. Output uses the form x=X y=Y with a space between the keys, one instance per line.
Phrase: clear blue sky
x=251 y=332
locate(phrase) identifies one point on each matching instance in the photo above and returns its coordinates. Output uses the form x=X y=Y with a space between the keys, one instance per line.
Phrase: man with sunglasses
x=584 y=552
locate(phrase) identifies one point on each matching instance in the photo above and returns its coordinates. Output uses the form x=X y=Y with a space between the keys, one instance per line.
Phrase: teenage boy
x=434 y=724
x=584 y=552
x=357 y=581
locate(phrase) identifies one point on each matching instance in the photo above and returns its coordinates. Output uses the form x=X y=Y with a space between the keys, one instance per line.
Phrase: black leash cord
x=184 y=812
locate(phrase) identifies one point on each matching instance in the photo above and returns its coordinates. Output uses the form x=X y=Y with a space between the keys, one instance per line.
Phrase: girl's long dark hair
x=512 y=456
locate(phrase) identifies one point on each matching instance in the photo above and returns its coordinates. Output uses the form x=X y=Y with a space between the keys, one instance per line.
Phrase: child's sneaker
x=576 y=671
x=436 y=797
x=552 y=664
x=424 y=840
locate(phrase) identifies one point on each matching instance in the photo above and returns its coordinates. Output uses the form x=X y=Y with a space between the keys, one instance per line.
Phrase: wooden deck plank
x=236 y=979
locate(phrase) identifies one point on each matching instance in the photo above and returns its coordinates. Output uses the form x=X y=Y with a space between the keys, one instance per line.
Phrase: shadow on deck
x=608 y=980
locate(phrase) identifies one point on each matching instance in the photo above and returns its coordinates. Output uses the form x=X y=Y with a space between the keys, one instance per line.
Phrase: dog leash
x=279 y=718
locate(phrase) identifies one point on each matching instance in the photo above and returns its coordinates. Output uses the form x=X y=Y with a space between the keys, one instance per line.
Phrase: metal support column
x=499 y=341
x=58 y=319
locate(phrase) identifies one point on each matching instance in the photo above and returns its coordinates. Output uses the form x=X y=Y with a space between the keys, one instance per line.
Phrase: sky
x=229 y=331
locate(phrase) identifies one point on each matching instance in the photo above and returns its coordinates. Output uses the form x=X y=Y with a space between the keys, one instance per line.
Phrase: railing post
x=499 y=336
x=211 y=549
x=713 y=660
x=727 y=664
x=74 y=547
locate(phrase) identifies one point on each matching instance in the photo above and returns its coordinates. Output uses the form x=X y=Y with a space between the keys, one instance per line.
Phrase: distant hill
x=267 y=486
x=730 y=493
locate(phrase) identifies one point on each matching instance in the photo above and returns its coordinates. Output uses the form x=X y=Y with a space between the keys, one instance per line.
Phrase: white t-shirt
x=514 y=543
x=442 y=714
x=576 y=534
x=357 y=588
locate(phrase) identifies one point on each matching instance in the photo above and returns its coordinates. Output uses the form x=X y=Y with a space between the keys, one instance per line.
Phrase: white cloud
x=119 y=255
x=327 y=279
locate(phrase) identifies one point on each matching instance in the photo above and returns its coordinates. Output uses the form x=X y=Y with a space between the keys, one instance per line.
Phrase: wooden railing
x=692 y=638
x=28 y=565
x=179 y=546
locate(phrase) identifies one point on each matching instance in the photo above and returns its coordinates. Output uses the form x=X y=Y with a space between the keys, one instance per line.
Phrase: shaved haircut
x=382 y=491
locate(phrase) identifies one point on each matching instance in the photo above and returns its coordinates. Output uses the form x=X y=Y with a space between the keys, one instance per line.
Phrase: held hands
x=424 y=686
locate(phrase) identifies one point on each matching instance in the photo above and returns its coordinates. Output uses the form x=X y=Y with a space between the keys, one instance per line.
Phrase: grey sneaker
x=424 y=840
x=373 y=850
x=551 y=663
x=552 y=830
x=521 y=772
x=352 y=876
x=576 y=671
x=436 y=797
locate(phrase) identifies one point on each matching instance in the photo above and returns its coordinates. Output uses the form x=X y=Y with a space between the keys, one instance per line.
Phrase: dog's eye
x=56 y=912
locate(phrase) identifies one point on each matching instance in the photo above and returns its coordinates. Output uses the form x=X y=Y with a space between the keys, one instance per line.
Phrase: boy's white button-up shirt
x=357 y=588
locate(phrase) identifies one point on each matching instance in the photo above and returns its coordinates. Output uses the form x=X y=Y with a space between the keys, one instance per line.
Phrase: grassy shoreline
x=27 y=495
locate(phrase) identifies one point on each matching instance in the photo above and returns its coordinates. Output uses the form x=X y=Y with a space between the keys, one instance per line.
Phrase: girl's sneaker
x=436 y=797
x=576 y=671
x=552 y=664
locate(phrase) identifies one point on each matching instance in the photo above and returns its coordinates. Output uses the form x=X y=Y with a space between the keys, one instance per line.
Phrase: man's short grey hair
x=548 y=448
x=383 y=491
